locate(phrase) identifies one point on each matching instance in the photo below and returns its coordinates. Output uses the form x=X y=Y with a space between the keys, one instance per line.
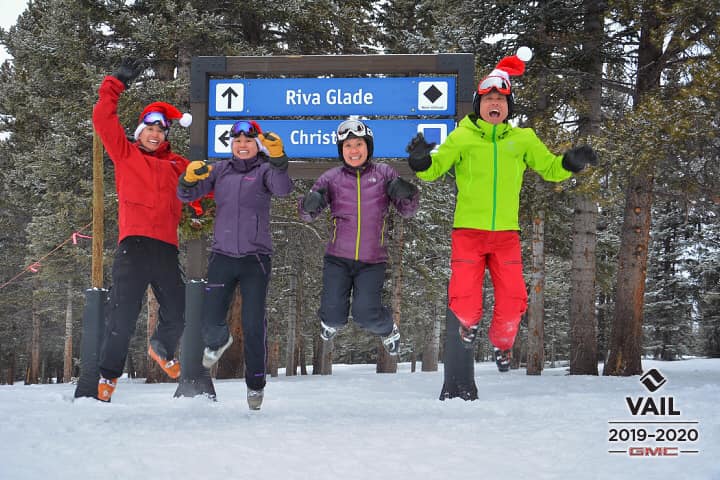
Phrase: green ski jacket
x=489 y=163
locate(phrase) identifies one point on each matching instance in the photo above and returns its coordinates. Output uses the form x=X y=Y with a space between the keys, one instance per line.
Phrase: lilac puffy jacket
x=359 y=207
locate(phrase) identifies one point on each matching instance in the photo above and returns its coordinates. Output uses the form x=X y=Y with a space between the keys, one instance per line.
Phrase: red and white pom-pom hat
x=499 y=78
x=161 y=113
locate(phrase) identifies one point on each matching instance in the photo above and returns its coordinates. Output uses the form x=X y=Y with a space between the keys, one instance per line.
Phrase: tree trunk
x=583 y=328
x=325 y=356
x=626 y=336
x=583 y=322
x=232 y=363
x=536 y=304
x=603 y=327
x=291 y=358
x=130 y=367
x=273 y=357
x=11 y=365
x=153 y=373
x=431 y=350
x=68 y=350
x=299 y=301
x=387 y=363
x=33 y=374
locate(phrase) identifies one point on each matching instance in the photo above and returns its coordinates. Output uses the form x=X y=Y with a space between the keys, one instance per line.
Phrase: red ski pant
x=472 y=251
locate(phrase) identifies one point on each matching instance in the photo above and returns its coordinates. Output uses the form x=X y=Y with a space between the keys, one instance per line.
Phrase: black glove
x=128 y=70
x=313 y=202
x=577 y=158
x=281 y=163
x=419 y=150
x=400 y=189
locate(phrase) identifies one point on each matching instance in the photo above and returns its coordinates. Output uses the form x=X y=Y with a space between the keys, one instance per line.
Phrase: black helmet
x=354 y=128
x=510 y=102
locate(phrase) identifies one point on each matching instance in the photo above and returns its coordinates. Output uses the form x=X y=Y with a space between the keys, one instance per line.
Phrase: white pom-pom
x=185 y=120
x=524 y=54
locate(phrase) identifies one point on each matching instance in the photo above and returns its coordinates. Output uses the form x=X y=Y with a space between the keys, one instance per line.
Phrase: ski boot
x=391 y=341
x=157 y=352
x=211 y=356
x=255 y=398
x=106 y=387
x=327 y=332
x=502 y=359
x=469 y=336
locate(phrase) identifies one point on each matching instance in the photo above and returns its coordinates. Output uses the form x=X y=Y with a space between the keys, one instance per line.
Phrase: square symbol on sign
x=433 y=132
x=433 y=95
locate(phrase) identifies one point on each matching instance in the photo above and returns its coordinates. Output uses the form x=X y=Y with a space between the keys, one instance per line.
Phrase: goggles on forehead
x=353 y=127
x=156 y=118
x=494 y=82
x=243 y=127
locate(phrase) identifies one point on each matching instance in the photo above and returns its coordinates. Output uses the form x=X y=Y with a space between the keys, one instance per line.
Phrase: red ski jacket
x=146 y=182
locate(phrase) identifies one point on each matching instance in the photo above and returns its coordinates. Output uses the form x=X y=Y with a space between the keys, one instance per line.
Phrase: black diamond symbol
x=653 y=380
x=432 y=93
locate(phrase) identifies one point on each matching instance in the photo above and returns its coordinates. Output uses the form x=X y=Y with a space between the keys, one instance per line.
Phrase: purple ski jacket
x=243 y=189
x=359 y=208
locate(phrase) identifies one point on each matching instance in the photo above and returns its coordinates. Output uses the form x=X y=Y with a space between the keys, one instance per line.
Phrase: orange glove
x=195 y=171
x=273 y=143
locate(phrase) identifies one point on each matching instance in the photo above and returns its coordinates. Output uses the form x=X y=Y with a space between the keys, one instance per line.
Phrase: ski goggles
x=156 y=118
x=494 y=82
x=354 y=127
x=244 y=127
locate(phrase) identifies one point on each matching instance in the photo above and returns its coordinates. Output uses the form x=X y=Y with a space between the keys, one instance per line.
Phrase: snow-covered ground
x=356 y=424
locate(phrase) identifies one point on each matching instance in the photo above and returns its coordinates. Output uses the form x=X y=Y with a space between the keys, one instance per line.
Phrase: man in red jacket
x=146 y=177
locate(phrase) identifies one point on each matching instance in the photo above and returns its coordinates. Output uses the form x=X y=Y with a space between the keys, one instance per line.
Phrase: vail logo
x=653 y=380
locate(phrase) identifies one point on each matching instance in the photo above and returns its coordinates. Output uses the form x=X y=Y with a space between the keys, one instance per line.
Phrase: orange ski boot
x=158 y=353
x=106 y=387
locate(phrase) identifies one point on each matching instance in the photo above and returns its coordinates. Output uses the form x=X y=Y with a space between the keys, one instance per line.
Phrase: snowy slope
x=356 y=424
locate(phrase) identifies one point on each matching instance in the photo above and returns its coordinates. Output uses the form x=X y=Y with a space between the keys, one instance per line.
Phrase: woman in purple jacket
x=241 y=245
x=359 y=194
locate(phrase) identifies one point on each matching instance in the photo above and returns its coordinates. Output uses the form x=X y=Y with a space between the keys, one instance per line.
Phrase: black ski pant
x=252 y=274
x=139 y=262
x=341 y=277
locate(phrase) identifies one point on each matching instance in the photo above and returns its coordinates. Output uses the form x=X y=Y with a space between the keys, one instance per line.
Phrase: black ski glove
x=419 y=150
x=400 y=189
x=314 y=202
x=281 y=163
x=128 y=70
x=578 y=158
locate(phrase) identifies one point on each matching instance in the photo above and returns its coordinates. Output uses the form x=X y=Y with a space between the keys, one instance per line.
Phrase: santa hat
x=168 y=111
x=499 y=78
x=514 y=65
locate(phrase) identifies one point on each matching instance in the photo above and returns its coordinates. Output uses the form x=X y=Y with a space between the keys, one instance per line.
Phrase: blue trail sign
x=414 y=96
x=316 y=138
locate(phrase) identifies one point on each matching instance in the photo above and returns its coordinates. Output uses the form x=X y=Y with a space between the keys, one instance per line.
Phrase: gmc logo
x=653 y=451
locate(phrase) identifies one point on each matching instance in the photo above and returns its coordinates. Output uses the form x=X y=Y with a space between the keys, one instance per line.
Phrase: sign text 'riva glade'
x=333 y=96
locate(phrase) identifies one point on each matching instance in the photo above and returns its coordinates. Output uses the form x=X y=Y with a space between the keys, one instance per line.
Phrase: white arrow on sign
x=222 y=138
x=229 y=97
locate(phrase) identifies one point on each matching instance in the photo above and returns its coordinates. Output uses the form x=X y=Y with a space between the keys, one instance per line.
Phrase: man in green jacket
x=489 y=157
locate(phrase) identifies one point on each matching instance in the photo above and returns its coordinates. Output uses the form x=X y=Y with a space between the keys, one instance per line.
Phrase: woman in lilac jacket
x=359 y=194
x=241 y=245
